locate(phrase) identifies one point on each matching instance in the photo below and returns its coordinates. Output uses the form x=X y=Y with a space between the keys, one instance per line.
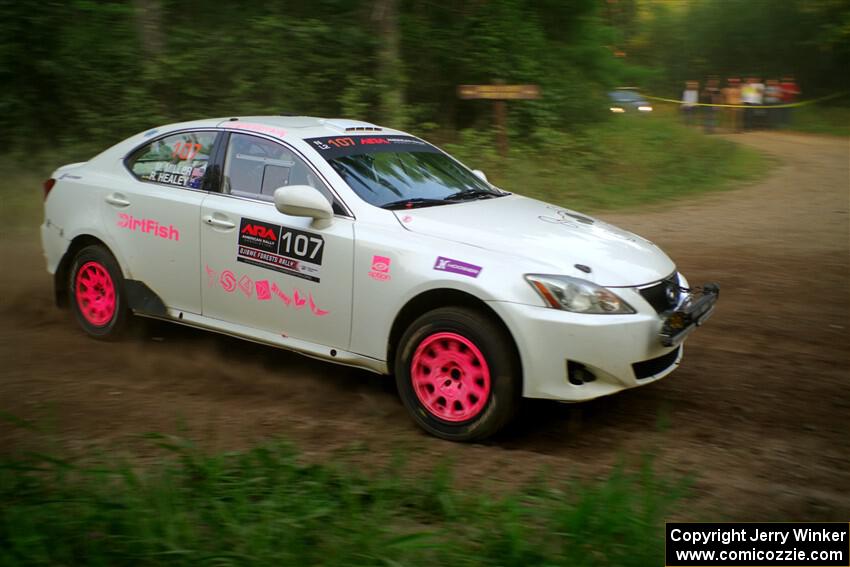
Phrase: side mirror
x=480 y=175
x=304 y=201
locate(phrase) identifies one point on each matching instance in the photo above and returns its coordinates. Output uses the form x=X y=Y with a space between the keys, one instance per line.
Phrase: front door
x=270 y=271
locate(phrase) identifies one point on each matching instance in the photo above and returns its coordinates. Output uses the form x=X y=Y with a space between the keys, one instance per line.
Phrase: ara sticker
x=280 y=248
x=457 y=267
x=380 y=268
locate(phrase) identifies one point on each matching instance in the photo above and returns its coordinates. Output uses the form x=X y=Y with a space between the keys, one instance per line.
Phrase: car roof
x=286 y=127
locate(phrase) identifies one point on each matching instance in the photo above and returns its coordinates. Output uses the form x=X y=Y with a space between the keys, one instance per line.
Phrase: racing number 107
x=185 y=150
x=341 y=142
x=300 y=245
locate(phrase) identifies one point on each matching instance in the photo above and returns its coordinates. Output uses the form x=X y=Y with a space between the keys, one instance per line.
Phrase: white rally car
x=369 y=247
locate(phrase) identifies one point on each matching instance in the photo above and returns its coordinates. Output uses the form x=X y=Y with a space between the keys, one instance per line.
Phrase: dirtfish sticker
x=457 y=267
x=280 y=248
x=148 y=226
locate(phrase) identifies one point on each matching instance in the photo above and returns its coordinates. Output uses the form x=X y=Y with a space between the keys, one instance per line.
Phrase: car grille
x=653 y=366
x=664 y=295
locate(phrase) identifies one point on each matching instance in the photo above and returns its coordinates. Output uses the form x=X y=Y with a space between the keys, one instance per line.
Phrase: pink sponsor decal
x=299 y=300
x=148 y=226
x=315 y=310
x=380 y=268
x=263 y=291
x=283 y=297
x=406 y=218
x=259 y=128
x=227 y=281
x=211 y=274
x=246 y=284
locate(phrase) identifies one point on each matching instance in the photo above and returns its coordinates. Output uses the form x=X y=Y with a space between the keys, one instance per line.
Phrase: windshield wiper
x=471 y=194
x=412 y=203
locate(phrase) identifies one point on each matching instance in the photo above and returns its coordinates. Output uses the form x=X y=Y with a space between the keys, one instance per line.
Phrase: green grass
x=820 y=119
x=625 y=162
x=21 y=198
x=268 y=507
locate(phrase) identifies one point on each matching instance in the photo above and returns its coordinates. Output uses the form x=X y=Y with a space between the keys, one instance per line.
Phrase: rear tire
x=96 y=291
x=457 y=374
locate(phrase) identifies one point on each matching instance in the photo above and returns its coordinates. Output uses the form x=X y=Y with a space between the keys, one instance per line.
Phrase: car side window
x=254 y=167
x=179 y=160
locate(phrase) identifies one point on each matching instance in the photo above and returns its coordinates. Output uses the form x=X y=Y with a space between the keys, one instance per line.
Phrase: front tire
x=457 y=374
x=97 y=293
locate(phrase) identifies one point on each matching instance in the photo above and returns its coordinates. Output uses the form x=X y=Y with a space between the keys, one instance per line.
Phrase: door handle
x=117 y=200
x=217 y=222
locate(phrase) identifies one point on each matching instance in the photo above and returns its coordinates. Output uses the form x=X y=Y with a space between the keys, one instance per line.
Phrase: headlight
x=617 y=109
x=645 y=108
x=577 y=295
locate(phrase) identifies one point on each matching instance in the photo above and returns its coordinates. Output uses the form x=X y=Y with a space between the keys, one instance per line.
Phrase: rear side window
x=179 y=160
x=255 y=167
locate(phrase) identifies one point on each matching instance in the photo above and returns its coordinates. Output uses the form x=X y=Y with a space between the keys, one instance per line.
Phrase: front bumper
x=619 y=351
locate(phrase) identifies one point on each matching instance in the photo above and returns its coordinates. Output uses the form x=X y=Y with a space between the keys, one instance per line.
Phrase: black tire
x=115 y=320
x=498 y=352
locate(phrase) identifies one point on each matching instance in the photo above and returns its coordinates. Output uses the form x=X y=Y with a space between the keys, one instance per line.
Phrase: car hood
x=554 y=237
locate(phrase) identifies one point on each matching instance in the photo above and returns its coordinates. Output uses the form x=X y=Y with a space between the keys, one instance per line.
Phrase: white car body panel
x=527 y=228
x=374 y=262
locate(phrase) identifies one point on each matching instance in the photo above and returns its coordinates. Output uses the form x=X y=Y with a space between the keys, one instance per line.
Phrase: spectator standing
x=759 y=114
x=732 y=96
x=789 y=91
x=710 y=96
x=748 y=96
x=772 y=97
x=690 y=97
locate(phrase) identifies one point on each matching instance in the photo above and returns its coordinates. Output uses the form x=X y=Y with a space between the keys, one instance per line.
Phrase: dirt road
x=758 y=411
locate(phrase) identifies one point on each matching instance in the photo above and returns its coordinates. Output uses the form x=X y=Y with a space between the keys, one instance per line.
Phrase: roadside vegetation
x=816 y=119
x=627 y=162
x=267 y=506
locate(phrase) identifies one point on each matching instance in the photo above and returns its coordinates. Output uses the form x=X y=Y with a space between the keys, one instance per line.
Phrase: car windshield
x=401 y=171
x=625 y=96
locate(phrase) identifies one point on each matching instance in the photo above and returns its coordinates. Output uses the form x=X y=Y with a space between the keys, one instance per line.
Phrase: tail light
x=48 y=185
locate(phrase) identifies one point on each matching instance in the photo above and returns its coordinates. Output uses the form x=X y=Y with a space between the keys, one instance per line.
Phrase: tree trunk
x=390 y=68
x=149 y=25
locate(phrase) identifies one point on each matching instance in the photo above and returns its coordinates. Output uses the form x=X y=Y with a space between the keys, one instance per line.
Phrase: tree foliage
x=99 y=70
x=694 y=39
x=96 y=71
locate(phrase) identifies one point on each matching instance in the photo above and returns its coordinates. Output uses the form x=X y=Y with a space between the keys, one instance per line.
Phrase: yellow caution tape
x=792 y=105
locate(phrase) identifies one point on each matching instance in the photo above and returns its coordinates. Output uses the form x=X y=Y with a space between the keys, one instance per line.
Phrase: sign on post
x=499 y=94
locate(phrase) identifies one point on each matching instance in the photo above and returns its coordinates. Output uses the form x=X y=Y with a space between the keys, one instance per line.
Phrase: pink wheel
x=450 y=377
x=95 y=293
x=458 y=373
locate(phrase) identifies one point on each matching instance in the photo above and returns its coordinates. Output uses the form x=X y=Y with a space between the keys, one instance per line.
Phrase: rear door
x=154 y=218
x=270 y=271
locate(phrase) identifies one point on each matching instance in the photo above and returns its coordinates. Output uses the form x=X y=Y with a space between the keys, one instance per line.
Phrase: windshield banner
x=333 y=147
